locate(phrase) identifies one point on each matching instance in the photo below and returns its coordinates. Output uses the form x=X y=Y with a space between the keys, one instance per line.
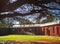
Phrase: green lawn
x=28 y=37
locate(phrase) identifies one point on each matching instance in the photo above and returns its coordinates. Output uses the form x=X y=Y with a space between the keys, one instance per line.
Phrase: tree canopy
x=30 y=11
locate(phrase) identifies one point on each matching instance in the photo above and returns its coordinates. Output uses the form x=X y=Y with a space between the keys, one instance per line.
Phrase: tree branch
x=18 y=3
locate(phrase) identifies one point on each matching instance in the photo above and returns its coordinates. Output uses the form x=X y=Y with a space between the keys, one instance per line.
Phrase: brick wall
x=53 y=30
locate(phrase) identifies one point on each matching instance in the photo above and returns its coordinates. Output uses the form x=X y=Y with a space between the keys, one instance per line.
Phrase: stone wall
x=29 y=42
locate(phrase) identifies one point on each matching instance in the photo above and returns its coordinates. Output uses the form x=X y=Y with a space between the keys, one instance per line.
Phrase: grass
x=28 y=37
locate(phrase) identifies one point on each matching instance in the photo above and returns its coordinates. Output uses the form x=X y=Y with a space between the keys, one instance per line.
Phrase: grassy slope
x=28 y=37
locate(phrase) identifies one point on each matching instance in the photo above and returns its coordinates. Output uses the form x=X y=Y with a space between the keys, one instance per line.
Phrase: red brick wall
x=53 y=30
x=34 y=30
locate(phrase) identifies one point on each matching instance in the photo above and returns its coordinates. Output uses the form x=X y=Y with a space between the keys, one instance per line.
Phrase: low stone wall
x=18 y=42
x=27 y=42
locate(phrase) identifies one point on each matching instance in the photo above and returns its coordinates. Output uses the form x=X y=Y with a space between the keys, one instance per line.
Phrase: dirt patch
x=30 y=42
